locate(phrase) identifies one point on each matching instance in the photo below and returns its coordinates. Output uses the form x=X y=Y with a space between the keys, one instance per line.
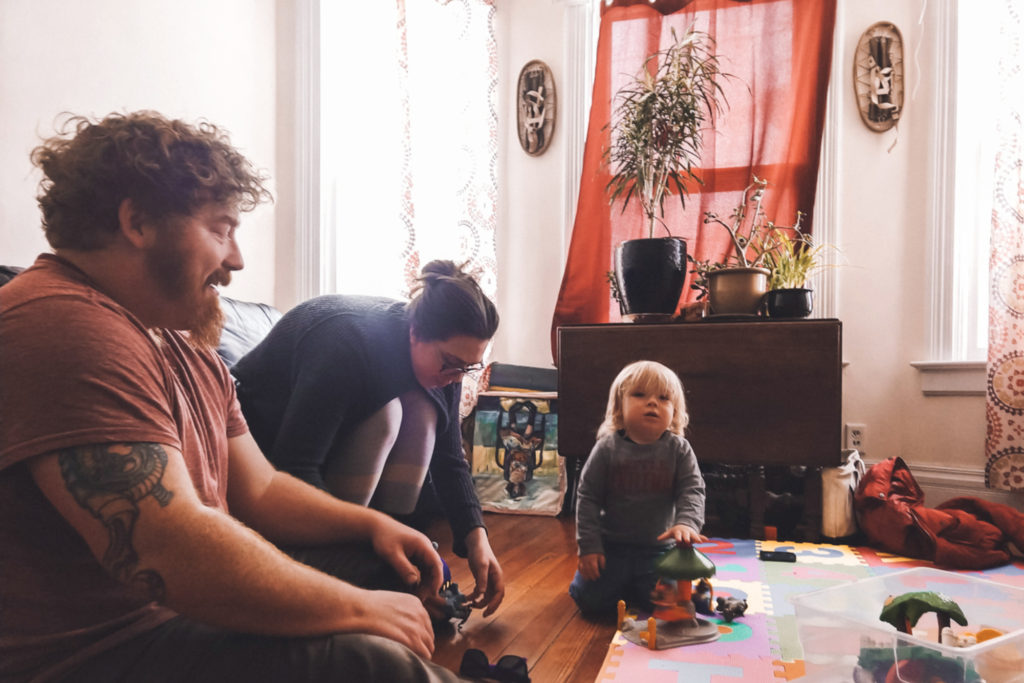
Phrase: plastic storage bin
x=840 y=629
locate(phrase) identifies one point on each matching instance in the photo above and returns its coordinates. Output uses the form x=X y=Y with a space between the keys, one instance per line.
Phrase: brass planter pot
x=737 y=291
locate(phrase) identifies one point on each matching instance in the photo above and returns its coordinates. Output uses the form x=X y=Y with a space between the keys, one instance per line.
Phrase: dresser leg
x=572 y=479
x=758 y=500
x=810 y=524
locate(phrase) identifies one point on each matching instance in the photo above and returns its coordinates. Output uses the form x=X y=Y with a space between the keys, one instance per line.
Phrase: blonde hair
x=645 y=375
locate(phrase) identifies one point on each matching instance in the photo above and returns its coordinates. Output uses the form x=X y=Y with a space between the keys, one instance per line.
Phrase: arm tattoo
x=109 y=480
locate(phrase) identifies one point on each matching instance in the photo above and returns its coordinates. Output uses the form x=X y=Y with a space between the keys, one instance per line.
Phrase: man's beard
x=205 y=328
x=206 y=320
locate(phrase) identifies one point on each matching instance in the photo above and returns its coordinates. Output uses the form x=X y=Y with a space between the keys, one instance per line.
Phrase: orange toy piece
x=651 y=634
x=987 y=633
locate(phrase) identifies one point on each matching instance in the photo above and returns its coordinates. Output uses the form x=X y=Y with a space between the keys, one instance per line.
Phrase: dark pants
x=185 y=651
x=628 y=575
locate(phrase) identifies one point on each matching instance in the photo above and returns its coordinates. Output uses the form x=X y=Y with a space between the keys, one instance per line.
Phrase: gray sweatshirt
x=632 y=493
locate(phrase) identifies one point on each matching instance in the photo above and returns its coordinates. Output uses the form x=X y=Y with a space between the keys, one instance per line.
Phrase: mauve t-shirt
x=76 y=369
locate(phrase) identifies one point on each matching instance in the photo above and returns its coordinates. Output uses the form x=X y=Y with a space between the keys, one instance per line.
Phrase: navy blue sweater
x=326 y=366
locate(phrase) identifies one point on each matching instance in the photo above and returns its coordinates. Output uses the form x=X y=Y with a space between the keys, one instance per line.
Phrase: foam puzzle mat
x=762 y=645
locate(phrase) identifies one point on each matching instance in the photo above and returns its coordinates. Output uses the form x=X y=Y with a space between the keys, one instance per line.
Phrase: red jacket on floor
x=962 y=533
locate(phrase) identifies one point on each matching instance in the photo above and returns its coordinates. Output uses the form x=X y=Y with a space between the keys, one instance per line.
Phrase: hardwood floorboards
x=538 y=620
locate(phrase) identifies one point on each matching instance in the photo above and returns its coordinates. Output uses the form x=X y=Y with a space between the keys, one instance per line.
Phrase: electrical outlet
x=857 y=436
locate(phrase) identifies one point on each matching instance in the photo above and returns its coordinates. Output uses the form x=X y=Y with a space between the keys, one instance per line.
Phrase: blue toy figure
x=455 y=604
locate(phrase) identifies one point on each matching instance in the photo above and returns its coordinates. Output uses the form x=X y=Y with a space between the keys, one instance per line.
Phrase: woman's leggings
x=384 y=461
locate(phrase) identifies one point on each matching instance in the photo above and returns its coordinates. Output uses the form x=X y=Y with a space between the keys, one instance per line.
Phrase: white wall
x=187 y=59
x=883 y=295
x=530 y=218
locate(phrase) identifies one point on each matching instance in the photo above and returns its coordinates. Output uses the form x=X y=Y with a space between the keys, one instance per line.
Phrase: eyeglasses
x=509 y=669
x=450 y=365
x=470 y=369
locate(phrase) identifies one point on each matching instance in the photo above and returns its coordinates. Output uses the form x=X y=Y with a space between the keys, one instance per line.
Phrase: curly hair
x=167 y=168
x=645 y=375
x=447 y=301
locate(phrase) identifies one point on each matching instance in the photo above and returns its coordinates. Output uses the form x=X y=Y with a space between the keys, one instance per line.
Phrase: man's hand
x=591 y=566
x=411 y=554
x=399 y=617
x=434 y=604
x=489 y=590
x=681 y=533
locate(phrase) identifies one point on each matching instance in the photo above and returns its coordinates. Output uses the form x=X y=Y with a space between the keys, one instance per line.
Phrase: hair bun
x=440 y=267
x=446 y=301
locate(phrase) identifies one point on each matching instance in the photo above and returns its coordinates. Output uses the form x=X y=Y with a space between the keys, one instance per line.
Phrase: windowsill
x=952 y=378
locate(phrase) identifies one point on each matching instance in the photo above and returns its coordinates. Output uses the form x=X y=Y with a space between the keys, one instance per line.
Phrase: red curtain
x=780 y=54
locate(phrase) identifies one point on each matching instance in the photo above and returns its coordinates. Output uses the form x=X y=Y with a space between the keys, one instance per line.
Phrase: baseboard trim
x=942 y=483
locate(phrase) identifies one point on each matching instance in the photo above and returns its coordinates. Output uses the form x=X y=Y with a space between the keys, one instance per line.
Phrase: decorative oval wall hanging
x=878 y=76
x=535 y=107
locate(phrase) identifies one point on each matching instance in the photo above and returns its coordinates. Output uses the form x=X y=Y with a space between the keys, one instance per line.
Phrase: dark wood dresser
x=759 y=393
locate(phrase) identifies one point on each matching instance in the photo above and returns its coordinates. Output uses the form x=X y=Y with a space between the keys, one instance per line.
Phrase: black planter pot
x=650 y=274
x=790 y=303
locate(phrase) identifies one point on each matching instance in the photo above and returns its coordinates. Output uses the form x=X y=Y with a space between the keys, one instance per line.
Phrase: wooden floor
x=538 y=620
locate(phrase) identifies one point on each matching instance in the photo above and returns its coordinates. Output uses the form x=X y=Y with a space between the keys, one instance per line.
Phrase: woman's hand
x=411 y=554
x=591 y=565
x=489 y=590
x=681 y=533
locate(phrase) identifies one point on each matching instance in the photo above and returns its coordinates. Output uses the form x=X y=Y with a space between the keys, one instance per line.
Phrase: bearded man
x=139 y=522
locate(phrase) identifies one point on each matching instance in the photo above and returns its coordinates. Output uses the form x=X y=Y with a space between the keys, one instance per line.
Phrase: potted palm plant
x=657 y=126
x=737 y=285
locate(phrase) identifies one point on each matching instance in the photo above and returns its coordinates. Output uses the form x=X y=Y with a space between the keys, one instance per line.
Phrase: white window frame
x=827 y=223
x=950 y=371
x=314 y=252
x=582 y=23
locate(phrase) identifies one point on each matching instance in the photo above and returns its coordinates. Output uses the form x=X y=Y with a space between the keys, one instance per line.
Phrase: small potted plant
x=737 y=285
x=657 y=126
x=792 y=262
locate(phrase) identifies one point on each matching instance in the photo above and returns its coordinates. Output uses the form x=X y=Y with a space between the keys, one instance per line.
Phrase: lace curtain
x=1004 y=446
x=410 y=140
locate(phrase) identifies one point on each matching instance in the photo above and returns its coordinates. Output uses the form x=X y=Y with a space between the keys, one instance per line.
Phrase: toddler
x=640 y=491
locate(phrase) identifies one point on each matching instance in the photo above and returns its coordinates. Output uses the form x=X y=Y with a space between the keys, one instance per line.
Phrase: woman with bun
x=359 y=395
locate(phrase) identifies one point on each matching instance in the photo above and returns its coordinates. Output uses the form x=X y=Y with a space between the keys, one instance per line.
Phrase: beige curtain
x=1004 y=468
x=448 y=84
x=410 y=140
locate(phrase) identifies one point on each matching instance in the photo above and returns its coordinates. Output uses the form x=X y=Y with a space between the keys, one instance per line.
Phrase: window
x=975 y=160
x=961 y=188
x=399 y=100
